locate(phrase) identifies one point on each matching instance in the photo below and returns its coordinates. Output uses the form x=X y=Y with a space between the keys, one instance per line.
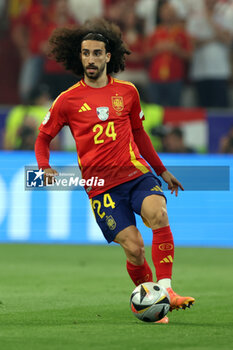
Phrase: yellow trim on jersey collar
x=124 y=82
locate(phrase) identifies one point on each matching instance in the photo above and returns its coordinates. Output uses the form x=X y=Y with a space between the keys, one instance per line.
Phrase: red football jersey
x=168 y=66
x=101 y=121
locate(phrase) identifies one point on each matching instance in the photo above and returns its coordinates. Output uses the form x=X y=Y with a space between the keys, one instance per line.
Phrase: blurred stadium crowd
x=182 y=58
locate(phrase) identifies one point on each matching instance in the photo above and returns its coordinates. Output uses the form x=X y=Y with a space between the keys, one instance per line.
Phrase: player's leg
x=117 y=223
x=131 y=241
x=154 y=212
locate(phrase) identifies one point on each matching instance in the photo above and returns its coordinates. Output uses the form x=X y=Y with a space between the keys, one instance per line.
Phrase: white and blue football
x=149 y=302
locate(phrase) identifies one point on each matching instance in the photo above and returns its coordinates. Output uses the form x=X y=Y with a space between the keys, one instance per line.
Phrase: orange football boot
x=178 y=302
x=163 y=320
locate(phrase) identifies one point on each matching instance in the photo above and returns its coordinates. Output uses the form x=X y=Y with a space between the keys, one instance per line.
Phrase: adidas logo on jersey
x=85 y=108
x=168 y=259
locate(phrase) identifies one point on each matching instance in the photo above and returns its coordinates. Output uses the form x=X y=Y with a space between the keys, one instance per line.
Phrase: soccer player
x=105 y=118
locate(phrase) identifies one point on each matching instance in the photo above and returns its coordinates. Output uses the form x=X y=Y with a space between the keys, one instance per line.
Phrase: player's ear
x=108 y=57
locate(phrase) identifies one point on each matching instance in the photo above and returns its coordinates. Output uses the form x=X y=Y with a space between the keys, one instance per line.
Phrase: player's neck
x=98 y=83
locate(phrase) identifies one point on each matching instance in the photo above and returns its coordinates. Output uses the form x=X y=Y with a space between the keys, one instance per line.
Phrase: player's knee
x=132 y=242
x=136 y=254
x=157 y=218
x=137 y=251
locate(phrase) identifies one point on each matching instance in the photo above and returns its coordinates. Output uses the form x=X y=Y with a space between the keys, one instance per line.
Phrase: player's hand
x=49 y=176
x=173 y=183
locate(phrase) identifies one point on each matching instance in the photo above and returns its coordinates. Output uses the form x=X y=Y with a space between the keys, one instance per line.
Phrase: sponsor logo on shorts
x=165 y=246
x=111 y=222
x=156 y=188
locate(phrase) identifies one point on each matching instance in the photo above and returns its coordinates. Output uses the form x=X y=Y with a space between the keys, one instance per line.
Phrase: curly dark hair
x=65 y=45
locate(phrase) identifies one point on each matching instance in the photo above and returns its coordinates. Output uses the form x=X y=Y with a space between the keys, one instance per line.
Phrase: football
x=149 y=302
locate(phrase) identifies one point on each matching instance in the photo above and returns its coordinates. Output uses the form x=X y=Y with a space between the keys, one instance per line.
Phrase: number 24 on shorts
x=107 y=202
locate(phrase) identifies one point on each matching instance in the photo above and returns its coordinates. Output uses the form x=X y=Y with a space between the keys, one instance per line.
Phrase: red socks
x=162 y=256
x=163 y=252
x=139 y=273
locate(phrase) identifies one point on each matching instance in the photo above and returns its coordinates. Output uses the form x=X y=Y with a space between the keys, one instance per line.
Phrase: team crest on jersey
x=118 y=103
x=102 y=113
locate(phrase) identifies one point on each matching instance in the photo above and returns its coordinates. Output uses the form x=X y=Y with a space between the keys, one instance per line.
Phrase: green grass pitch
x=66 y=297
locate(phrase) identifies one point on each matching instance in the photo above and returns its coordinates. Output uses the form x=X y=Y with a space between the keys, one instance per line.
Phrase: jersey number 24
x=99 y=130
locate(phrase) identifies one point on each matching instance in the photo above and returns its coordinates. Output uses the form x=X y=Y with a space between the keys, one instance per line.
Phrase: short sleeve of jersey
x=55 y=119
x=136 y=114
